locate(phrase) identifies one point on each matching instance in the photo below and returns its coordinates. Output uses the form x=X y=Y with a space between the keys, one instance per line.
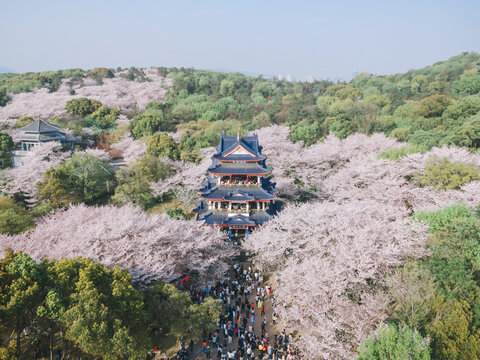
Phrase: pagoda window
x=239 y=207
x=239 y=180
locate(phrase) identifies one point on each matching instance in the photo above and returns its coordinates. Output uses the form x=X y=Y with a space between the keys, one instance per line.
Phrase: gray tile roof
x=40 y=127
x=239 y=169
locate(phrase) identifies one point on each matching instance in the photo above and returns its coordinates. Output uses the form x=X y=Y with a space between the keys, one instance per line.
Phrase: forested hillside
x=377 y=242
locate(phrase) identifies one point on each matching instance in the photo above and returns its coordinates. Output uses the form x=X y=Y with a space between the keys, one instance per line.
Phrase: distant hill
x=6 y=70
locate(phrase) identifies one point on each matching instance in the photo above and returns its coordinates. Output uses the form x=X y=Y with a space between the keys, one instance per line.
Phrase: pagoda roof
x=239 y=169
x=41 y=127
x=238 y=194
x=239 y=148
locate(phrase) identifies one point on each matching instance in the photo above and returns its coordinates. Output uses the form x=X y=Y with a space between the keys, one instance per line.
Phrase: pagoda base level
x=237 y=233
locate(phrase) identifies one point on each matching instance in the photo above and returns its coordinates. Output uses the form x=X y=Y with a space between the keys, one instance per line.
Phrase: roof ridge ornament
x=238 y=132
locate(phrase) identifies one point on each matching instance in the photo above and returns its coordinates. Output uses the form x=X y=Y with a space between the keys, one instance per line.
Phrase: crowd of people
x=241 y=332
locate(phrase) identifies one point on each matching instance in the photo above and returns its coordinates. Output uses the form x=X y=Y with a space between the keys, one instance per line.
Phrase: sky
x=323 y=38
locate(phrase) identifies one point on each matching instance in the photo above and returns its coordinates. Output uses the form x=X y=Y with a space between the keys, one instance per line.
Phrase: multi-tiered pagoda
x=237 y=195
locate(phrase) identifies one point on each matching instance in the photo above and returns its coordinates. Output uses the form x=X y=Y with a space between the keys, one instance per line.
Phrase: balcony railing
x=240 y=183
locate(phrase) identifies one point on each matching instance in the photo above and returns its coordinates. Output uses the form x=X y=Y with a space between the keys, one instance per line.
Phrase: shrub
x=443 y=174
x=176 y=214
x=400 y=152
x=443 y=217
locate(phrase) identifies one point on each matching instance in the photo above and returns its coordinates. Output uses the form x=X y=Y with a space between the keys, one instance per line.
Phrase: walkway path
x=273 y=340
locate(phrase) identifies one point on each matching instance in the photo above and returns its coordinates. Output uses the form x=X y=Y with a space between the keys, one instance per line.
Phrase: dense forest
x=401 y=148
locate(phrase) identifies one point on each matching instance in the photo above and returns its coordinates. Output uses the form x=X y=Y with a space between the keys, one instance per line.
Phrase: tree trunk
x=19 y=350
x=51 y=343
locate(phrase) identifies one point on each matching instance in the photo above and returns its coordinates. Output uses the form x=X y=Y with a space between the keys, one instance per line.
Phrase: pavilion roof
x=40 y=127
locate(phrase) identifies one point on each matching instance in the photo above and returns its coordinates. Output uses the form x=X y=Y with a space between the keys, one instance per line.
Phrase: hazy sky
x=323 y=38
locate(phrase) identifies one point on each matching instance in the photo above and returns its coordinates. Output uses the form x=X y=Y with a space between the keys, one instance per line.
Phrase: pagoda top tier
x=239 y=148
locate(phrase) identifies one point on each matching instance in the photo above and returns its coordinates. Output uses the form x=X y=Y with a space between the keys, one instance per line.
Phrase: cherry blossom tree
x=22 y=179
x=150 y=247
x=187 y=174
x=130 y=148
x=185 y=197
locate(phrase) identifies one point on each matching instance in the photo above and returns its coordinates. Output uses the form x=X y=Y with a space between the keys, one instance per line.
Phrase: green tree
x=261 y=120
x=23 y=121
x=20 y=292
x=4 y=99
x=149 y=123
x=134 y=183
x=468 y=134
x=82 y=106
x=100 y=73
x=182 y=113
x=104 y=117
x=393 y=343
x=453 y=337
x=433 y=106
x=8 y=352
x=173 y=313
x=468 y=85
x=163 y=145
x=82 y=178
x=13 y=218
x=53 y=190
x=106 y=317
x=6 y=147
